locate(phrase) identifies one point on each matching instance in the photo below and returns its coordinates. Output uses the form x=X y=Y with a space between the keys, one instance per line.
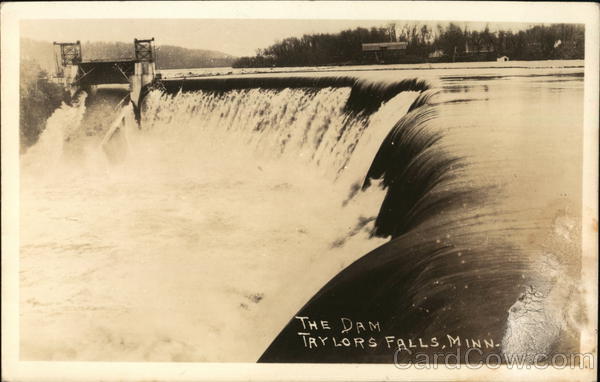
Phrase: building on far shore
x=384 y=52
x=438 y=53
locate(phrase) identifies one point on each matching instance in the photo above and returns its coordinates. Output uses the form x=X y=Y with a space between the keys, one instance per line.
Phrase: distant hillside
x=174 y=57
x=167 y=56
x=39 y=51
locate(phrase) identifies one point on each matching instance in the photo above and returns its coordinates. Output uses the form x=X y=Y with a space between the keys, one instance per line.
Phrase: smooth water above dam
x=227 y=211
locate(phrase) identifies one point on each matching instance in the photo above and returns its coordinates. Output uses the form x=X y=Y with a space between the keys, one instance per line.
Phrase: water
x=229 y=212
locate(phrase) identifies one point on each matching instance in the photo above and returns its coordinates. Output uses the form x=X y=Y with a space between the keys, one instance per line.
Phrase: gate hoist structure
x=77 y=74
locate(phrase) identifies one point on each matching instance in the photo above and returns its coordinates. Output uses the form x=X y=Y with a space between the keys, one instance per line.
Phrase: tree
x=452 y=41
x=38 y=98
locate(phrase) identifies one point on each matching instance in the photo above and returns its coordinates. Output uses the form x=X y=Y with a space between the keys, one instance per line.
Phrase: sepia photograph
x=253 y=193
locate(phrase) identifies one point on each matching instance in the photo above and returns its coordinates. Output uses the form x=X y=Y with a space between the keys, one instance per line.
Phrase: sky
x=238 y=37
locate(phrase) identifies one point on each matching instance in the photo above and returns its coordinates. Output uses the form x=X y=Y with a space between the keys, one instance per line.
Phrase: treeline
x=167 y=56
x=38 y=98
x=316 y=49
x=424 y=44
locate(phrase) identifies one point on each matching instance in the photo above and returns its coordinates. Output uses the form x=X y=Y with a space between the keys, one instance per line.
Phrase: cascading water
x=296 y=125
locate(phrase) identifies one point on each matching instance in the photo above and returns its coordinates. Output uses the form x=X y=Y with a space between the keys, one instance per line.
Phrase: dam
x=407 y=197
x=141 y=76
